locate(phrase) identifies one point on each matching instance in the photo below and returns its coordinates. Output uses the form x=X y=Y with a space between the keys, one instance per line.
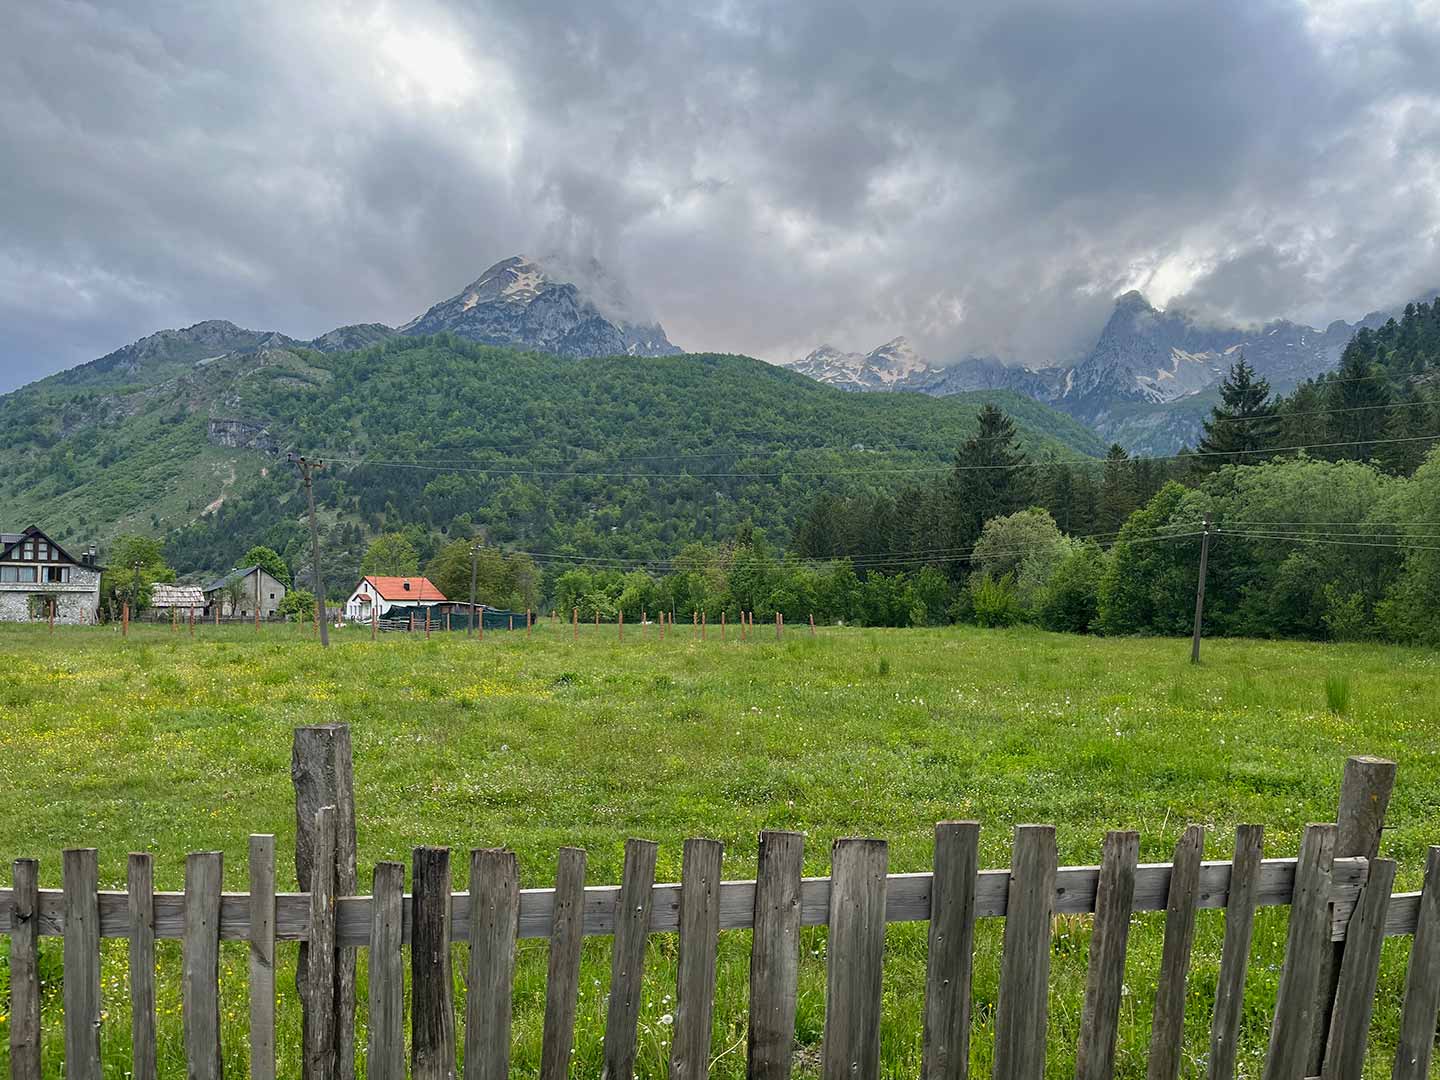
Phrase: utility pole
x=1200 y=591
x=307 y=468
x=474 y=572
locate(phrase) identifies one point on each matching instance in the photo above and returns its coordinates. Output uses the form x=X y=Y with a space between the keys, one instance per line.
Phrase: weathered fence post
x=81 y=959
x=1364 y=798
x=775 y=955
x=1359 y=972
x=262 y=957
x=1168 y=1028
x=322 y=772
x=317 y=992
x=856 y=950
x=562 y=976
x=386 y=1057
x=950 y=959
x=1022 y=1011
x=140 y=904
x=699 y=942
x=432 y=1011
x=627 y=960
x=1235 y=953
x=1307 y=940
x=25 y=971
x=1422 y=982
x=1109 y=942
x=200 y=981
x=490 y=974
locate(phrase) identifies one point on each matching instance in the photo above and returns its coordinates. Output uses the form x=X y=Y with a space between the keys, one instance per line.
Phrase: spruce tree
x=1244 y=422
x=989 y=479
x=1357 y=398
x=1118 y=494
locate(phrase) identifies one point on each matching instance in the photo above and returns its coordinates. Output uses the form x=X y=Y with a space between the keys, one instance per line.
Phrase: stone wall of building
x=77 y=601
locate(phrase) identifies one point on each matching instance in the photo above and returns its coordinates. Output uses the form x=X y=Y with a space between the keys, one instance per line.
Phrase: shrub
x=1071 y=600
x=1345 y=617
x=996 y=601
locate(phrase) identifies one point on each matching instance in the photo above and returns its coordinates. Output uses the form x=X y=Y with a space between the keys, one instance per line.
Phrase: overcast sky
x=983 y=177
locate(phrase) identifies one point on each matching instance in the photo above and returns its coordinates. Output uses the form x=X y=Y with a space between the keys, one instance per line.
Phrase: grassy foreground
x=166 y=744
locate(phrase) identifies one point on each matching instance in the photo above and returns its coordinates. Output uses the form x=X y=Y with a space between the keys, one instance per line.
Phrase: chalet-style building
x=257 y=591
x=38 y=575
x=377 y=595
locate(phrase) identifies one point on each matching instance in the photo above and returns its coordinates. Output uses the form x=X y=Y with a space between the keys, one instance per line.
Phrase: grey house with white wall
x=37 y=574
x=241 y=592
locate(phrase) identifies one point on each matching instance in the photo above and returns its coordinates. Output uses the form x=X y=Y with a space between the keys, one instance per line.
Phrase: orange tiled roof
x=394 y=588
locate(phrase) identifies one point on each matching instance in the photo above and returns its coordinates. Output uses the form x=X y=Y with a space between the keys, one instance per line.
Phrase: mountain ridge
x=1132 y=385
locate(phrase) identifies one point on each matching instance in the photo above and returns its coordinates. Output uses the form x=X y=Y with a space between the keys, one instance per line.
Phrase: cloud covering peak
x=984 y=180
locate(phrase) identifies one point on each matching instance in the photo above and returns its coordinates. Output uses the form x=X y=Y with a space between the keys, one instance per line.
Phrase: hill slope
x=627 y=457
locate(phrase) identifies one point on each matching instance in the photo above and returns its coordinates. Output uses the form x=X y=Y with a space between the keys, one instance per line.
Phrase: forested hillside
x=621 y=457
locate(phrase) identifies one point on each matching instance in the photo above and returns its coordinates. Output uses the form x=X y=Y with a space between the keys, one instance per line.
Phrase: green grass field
x=168 y=745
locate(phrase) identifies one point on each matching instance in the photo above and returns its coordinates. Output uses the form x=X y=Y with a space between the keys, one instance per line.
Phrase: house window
x=272 y=596
x=23 y=574
x=27 y=551
x=57 y=575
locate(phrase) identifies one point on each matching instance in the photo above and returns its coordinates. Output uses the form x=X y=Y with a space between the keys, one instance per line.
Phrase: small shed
x=166 y=600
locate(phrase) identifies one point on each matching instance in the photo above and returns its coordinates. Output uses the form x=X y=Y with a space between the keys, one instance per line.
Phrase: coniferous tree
x=989 y=479
x=1118 y=494
x=1243 y=423
x=1357 y=400
x=1302 y=417
x=1407 y=435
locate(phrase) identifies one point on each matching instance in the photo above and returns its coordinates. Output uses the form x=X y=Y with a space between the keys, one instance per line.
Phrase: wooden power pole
x=1200 y=591
x=307 y=469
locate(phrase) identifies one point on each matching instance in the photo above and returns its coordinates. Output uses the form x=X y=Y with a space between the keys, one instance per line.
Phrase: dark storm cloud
x=766 y=175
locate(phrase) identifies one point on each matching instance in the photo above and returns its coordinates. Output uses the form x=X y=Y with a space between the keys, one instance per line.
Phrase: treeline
x=1382 y=404
x=939 y=521
x=1300 y=547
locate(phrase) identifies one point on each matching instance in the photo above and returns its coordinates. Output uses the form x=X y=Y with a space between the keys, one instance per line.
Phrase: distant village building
x=166 y=600
x=37 y=576
x=381 y=594
x=240 y=593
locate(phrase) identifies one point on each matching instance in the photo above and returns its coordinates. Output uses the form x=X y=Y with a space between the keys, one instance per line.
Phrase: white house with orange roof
x=375 y=596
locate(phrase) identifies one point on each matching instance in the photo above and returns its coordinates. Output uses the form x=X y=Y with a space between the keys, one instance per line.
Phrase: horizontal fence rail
x=907 y=899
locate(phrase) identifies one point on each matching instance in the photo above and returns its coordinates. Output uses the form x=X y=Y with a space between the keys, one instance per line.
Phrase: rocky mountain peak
x=552 y=304
x=883 y=368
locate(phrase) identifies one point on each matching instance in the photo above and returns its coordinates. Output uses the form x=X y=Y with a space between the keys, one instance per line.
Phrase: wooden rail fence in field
x=1338 y=891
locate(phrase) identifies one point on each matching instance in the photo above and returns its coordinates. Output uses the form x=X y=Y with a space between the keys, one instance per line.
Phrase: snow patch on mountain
x=885 y=367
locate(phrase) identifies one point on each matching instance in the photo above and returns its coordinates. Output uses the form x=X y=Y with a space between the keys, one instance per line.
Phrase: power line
x=938 y=555
x=892 y=470
x=1282 y=416
x=1323 y=540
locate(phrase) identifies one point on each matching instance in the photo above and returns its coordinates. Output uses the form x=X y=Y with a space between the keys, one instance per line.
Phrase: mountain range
x=521 y=302
x=1147 y=383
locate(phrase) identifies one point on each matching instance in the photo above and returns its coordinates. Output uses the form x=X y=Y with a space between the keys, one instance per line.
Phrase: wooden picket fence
x=1341 y=910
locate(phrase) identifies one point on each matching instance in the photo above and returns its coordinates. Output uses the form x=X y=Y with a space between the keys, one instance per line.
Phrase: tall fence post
x=1364 y=798
x=322 y=771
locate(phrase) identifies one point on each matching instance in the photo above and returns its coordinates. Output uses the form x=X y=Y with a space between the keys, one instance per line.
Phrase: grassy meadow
x=166 y=744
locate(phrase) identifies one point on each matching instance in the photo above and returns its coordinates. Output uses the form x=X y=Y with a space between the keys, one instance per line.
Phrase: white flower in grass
x=667 y=1019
